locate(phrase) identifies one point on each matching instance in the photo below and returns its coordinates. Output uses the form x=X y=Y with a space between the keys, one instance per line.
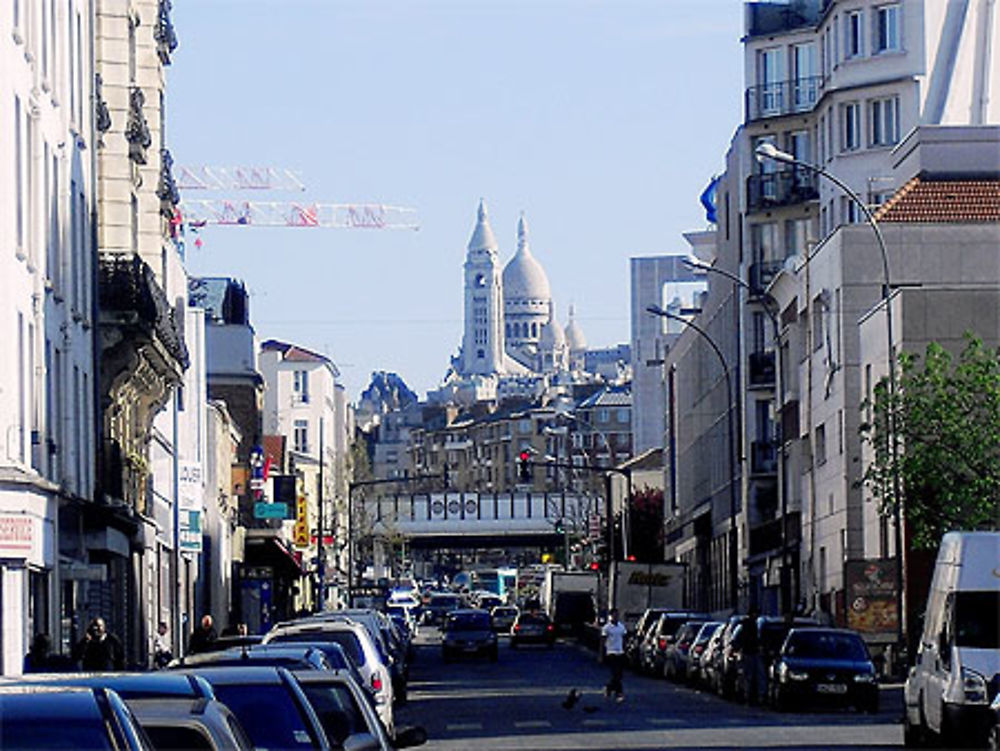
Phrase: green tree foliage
x=646 y=525
x=947 y=418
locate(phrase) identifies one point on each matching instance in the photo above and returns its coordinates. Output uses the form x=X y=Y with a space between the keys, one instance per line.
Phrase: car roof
x=129 y=685
x=162 y=707
x=241 y=674
x=59 y=702
x=284 y=650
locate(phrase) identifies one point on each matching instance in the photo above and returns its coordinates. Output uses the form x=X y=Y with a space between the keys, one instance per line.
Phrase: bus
x=500 y=581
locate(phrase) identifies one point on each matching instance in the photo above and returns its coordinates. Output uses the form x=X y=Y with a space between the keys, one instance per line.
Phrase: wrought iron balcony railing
x=761 y=274
x=763 y=458
x=783 y=188
x=782 y=97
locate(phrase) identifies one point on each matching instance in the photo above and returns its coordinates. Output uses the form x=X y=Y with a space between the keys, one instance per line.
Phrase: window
x=300 y=386
x=817 y=322
x=764 y=241
x=850 y=118
x=624 y=416
x=796 y=237
x=849 y=211
x=534 y=329
x=19 y=173
x=853 y=34
x=887 y=28
x=884 y=121
x=819 y=449
x=805 y=89
x=603 y=415
x=524 y=427
x=770 y=77
x=822 y=569
x=300 y=438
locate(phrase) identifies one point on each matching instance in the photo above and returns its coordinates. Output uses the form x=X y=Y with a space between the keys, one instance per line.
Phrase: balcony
x=782 y=98
x=763 y=458
x=761 y=371
x=790 y=419
x=761 y=275
x=767 y=536
x=783 y=188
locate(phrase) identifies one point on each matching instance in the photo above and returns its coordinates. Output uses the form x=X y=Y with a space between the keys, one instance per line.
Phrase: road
x=516 y=703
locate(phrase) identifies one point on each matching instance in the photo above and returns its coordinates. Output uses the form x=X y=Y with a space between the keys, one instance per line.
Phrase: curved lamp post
x=770 y=151
x=733 y=539
x=770 y=306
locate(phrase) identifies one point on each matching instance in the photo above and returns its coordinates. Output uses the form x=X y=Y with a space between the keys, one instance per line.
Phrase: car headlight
x=864 y=678
x=974 y=686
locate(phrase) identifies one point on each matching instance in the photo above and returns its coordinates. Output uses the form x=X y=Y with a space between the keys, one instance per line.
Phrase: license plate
x=831 y=688
x=470 y=648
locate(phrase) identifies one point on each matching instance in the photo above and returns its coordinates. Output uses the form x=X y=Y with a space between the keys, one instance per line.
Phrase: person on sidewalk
x=99 y=651
x=613 y=636
x=203 y=638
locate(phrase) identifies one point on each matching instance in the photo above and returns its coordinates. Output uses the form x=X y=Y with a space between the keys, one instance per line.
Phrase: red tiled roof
x=943 y=201
x=274 y=447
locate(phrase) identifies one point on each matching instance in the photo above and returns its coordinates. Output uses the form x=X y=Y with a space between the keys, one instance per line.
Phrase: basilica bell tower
x=482 y=342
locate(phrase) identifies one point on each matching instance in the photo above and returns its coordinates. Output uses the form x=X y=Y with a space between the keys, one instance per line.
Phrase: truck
x=633 y=587
x=569 y=598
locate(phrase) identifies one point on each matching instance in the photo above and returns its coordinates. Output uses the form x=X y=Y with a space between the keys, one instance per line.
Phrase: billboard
x=870 y=587
x=190 y=497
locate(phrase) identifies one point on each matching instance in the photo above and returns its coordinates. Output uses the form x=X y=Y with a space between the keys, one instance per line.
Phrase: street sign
x=271 y=511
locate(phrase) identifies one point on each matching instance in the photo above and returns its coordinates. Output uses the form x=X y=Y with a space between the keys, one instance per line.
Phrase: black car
x=772 y=632
x=270 y=705
x=468 y=632
x=532 y=628
x=824 y=665
x=39 y=716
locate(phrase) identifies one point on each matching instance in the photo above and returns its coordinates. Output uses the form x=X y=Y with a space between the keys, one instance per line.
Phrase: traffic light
x=524 y=458
x=560 y=528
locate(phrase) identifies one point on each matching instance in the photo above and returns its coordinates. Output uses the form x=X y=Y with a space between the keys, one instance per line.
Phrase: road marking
x=524 y=724
x=464 y=726
x=665 y=721
x=595 y=723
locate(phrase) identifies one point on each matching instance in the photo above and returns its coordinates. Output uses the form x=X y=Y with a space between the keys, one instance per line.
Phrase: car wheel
x=872 y=706
x=781 y=702
x=913 y=735
x=494 y=654
x=995 y=739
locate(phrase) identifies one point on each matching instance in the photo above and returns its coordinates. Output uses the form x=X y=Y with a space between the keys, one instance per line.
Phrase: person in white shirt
x=613 y=635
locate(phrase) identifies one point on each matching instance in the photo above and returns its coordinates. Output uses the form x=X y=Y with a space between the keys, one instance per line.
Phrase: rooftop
x=943 y=201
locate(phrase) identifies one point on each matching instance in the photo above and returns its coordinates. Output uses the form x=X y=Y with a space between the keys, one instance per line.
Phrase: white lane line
x=464 y=726
x=524 y=724
x=665 y=721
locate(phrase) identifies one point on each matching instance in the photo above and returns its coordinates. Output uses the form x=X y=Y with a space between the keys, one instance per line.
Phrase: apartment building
x=48 y=402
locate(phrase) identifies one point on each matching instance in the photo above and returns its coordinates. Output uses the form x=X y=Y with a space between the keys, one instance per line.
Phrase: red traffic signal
x=595 y=566
x=631 y=558
x=524 y=456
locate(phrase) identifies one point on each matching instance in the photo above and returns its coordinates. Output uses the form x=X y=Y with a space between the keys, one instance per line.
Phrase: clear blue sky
x=602 y=121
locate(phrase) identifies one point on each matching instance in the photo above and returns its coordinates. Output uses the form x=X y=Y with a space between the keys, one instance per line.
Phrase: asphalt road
x=516 y=703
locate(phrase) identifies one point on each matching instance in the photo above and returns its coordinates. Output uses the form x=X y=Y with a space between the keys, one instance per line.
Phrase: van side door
x=939 y=672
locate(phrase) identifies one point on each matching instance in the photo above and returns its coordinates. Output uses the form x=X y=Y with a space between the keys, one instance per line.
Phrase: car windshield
x=347 y=640
x=337 y=711
x=530 y=618
x=269 y=715
x=977 y=620
x=178 y=737
x=444 y=602
x=468 y=622
x=825 y=645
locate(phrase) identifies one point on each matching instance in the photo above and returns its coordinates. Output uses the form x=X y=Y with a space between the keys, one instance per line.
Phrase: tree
x=646 y=525
x=947 y=418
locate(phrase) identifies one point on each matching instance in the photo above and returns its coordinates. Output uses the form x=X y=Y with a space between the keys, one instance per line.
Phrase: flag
x=707 y=199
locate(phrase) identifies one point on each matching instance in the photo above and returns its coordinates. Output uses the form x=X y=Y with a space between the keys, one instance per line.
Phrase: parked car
x=503 y=617
x=532 y=628
x=728 y=658
x=634 y=638
x=391 y=647
x=675 y=660
x=361 y=649
x=68 y=717
x=821 y=665
x=270 y=705
x=710 y=660
x=948 y=691
x=771 y=634
x=693 y=674
x=468 y=632
x=347 y=717
x=654 y=647
x=994 y=734
x=291 y=656
x=190 y=724
x=148 y=685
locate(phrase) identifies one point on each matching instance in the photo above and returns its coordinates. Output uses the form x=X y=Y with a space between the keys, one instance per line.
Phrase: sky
x=601 y=121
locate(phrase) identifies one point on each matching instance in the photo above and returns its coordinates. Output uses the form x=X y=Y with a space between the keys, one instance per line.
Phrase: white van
x=957 y=670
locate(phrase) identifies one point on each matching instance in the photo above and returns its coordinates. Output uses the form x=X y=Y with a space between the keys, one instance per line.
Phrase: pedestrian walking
x=613 y=635
x=98 y=650
x=203 y=637
x=162 y=655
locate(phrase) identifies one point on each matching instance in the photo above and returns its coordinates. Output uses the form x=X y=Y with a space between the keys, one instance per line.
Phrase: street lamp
x=733 y=539
x=770 y=306
x=563 y=411
x=767 y=150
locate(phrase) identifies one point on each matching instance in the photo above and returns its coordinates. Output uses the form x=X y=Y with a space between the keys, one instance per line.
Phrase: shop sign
x=301 y=524
x=20 y=536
